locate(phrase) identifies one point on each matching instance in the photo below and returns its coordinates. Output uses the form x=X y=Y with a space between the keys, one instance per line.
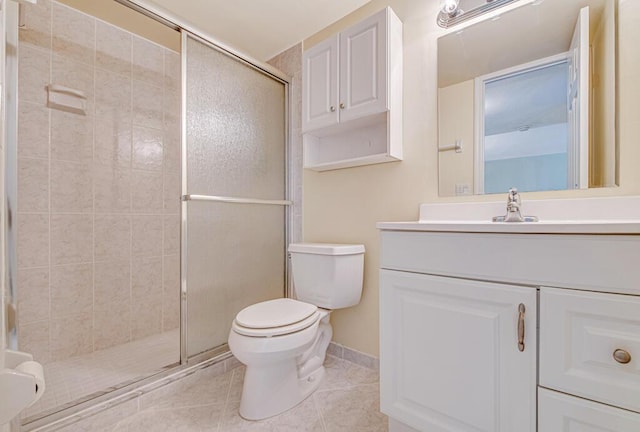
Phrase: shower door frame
x=185 y=198
x=9 y=110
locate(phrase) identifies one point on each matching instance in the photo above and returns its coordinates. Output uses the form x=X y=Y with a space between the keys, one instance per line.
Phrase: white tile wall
x=98 y=195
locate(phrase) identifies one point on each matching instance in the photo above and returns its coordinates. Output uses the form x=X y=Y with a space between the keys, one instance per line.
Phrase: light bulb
x=449 y=6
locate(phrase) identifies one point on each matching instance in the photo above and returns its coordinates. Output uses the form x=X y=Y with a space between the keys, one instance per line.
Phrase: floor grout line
x=319 y=412
x=226 y=401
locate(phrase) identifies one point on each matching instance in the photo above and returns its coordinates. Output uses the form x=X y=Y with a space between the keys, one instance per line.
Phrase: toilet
x=283 y=342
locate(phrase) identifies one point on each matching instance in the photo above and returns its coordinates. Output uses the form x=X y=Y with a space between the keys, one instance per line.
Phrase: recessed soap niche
x=66 y=99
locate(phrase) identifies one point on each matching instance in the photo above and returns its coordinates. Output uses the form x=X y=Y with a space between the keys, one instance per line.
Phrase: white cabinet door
x=558 y=412
x=363 y=68
x=450 y=358
x=320 y=85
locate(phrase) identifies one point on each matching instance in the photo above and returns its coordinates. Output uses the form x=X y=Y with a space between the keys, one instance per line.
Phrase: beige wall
x=456 y=122
x=602 y=154
x=344 y=205
x=128 y=19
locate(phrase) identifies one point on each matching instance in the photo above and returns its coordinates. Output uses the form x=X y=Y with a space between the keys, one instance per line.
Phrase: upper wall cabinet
x=352 y=96
x=320 y=85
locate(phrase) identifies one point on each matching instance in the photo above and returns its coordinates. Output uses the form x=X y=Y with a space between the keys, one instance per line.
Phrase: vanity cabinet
x=352 y=95
x=450 y=358
x=453 y=359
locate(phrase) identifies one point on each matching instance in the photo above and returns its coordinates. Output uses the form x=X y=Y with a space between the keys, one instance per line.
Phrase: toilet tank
x=327 y=275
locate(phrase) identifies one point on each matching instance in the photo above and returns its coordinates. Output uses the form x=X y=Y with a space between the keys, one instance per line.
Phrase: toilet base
x=269 y=391
x=279 y=380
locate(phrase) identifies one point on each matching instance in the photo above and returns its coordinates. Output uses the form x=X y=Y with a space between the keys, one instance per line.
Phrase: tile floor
x=348 y=400
x=79 y=377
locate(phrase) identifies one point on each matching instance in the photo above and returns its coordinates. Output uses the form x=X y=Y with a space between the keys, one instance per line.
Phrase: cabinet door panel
x=363 y=70
x=449 y=354
x=320 y=85
x=558 y=412
x=579 y=333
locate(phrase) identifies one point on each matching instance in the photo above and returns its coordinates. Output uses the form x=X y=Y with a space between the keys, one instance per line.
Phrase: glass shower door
x=234 y=191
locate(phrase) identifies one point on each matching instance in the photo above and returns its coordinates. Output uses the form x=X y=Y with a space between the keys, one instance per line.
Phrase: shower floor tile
x=79 y=377
x=348 y=400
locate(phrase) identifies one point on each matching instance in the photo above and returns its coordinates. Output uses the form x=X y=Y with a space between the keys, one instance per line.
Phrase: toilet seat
x=275 y=318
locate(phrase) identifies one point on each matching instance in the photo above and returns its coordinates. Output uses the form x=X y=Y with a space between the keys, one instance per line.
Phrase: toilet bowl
x=283 y=342
x=282 y=369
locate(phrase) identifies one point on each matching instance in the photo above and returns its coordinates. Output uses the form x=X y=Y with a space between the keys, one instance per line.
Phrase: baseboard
x=338 y=350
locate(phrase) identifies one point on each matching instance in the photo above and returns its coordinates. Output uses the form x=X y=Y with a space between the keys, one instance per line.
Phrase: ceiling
x=260 y=28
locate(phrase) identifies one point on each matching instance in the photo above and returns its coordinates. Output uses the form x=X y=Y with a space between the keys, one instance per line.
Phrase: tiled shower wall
x=290 y=62
x=98 y=194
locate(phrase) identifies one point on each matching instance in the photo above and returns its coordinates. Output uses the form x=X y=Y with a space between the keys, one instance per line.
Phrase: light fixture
x=450 y=7
x=451 y=14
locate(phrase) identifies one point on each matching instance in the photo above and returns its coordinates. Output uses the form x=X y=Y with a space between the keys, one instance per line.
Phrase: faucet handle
x=513 y=196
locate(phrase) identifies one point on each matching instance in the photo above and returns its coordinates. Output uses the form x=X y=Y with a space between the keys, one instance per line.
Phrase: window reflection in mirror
x=523 y=114
x=530 y=98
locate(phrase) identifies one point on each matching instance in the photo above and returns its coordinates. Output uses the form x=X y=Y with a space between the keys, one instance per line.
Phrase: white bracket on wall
x=457 y=147
x=21 y=384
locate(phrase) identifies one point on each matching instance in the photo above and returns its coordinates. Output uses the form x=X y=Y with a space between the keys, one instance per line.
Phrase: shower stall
x=147 y=195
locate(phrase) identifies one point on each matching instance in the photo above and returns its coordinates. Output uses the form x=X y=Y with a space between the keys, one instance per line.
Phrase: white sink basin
x=614 y=215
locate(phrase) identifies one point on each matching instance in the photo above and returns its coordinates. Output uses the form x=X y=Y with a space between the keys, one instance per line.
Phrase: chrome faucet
x=514 y=203
x=513 y=207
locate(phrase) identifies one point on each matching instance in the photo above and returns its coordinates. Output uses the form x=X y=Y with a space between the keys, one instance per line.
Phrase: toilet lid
x=277 y=331
x=275 y=313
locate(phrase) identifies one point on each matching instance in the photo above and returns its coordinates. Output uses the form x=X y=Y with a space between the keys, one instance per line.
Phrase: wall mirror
x=527 y=99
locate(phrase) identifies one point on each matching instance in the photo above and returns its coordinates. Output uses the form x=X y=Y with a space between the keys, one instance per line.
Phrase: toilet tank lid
x=326 y=248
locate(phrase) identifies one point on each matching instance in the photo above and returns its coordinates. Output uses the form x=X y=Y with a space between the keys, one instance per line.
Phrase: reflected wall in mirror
x=528 y=100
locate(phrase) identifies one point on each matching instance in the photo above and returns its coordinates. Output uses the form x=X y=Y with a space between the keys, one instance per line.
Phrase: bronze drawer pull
x=621 y=356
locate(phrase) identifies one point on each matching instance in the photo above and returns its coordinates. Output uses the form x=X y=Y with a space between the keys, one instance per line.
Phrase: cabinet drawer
x=559 y=412
x=579 y=333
